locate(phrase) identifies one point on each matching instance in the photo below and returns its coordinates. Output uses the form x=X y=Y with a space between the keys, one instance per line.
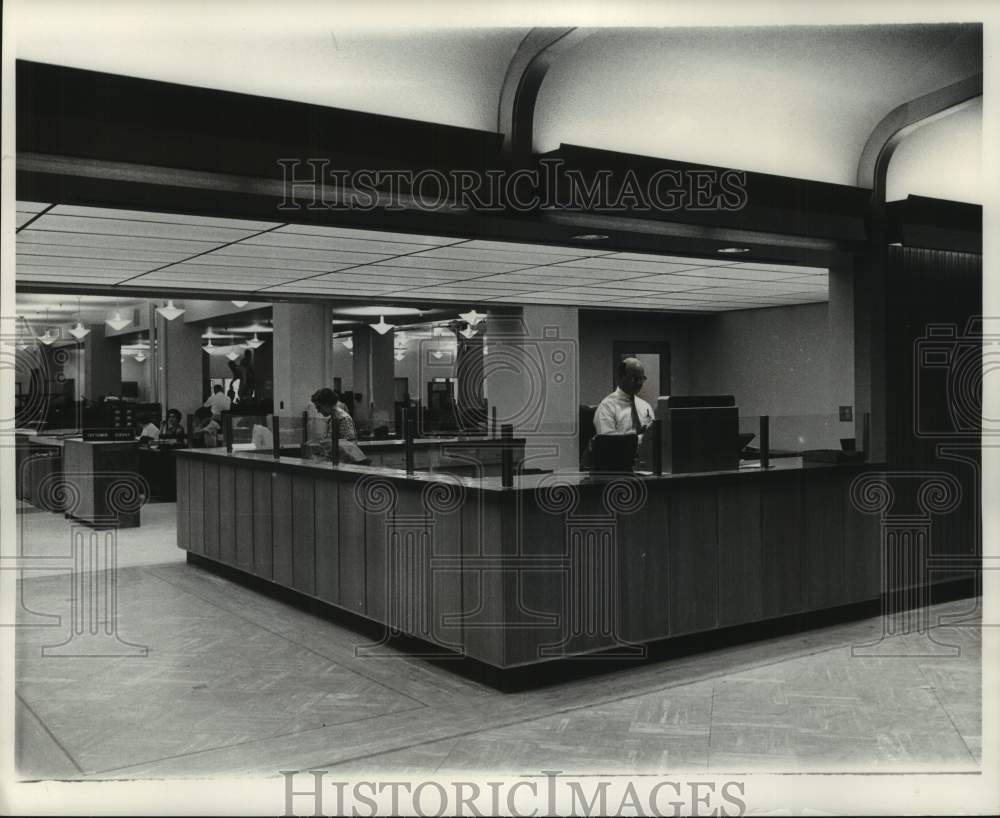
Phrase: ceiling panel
x=790 y=269
x=466 y=266
x=682 y=261
x=257 y=263
x=293 y=254
x=613 y=265
x=179 y=246
x=366 y=250
x=369 y=235
x=411 y=271
x=30 y=207
x=94 y=253
x=370 y=245
x=167 y=218
x=142 y=229
x=234 y=273
x=545 y=249
x=462 y=253
x=27 y=261
x=21 y=219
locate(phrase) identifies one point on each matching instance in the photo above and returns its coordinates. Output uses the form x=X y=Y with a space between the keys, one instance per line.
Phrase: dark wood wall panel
x=644 y=560
x=694 y=560
x=783 y=544
x=352 y=550
x=196 y=495
x=327 y=541
x=482 y=579
x=741 y=557
x=281 y=527
x=823 y=533
x=263 y=548
x=303 y=534
x=243 y=518
x=445 y=534
x=183 y=503
x=212 y=510
x=227 y=514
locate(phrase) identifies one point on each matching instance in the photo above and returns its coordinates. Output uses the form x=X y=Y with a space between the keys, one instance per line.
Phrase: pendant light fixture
x=118 y=323
x=468 y=332
x=254 y=342
x=472 y=317
x=382 y=327
x=170 y=312
x=48 y=337
x=348 y=343
x=140 y=357
x=240 y=304
x=210 y=348
x=79 y=331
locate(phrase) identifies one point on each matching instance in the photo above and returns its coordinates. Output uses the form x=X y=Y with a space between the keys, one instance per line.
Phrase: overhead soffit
x=447 y=76
x=943 y=159
x=74 y=247
x=805 y=98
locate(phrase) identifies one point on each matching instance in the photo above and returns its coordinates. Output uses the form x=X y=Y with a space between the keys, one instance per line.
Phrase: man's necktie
x=636 y=424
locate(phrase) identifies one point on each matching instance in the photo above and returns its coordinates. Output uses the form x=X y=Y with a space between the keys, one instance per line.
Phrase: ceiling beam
x=873 y=166
x=537 y=52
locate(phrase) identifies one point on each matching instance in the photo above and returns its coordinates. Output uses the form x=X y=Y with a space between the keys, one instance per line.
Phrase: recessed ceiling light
x=733 y=250
x=591 y=237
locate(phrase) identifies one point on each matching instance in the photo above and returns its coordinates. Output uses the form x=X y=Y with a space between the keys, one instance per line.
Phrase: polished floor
x=205 y=677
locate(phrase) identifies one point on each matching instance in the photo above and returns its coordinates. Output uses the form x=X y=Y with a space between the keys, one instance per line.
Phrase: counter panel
x=553 y=568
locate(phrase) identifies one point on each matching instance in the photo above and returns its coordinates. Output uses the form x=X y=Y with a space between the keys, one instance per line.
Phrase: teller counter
x=557 y=565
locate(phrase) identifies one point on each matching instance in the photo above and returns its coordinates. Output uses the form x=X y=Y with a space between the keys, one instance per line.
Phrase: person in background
x=172 y=429
x=206 y=429
x=340 y=402
x=231 y=394
x=217 y=402
x=623 y=412
x=325 y=401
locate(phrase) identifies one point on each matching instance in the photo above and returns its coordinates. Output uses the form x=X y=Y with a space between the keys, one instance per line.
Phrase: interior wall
x=785 y=362
x=300 y=353
x=599 y=329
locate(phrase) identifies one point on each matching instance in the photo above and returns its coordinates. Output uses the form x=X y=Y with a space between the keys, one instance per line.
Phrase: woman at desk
x=206 y=429
x=326 y=403
x=172 y=432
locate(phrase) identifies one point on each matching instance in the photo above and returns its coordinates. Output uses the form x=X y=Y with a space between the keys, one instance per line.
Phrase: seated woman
x=149 y=433
x=206 y=431
x=172 y=431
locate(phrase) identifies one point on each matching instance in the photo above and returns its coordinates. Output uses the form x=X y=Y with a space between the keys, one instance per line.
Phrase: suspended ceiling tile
x=462 y=253
x=181 y=247
x=540 y=279
x=92 y=253
x=173 y=283
x=138 y=229
x=29 y=207
x=26 y=260
x=791 y=269
x=546 y=249
x=681 y=261
x=369 y=235
x=235 y=273
x=366 y=250
x=416 y=272
x=166 y=218
x=370 y=244
x=466 y=266
x=745 y=274
x=70 y=272
x=581 y=272
x=21 y=219
x=617 y=265
x=258 y=263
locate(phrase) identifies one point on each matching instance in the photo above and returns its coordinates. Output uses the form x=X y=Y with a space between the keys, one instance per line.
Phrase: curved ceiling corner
x=806 y=98
x=447 y=76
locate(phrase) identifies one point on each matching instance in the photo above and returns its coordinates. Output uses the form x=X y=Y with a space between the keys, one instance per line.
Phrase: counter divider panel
x=196 y=493
x=741 y=558
x=327 y=541
x=862 y=549
x=823 y=542
x=227 y=514
x=183 y=466
x=281 y=530
x=782 y=541
x=352 y=550
x=644 y=557
x=263 y=548
x=303 y=531
x=243 y=517
x=694 y=560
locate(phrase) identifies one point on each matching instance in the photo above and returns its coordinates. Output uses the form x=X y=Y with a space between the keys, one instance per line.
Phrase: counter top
x=521 y=482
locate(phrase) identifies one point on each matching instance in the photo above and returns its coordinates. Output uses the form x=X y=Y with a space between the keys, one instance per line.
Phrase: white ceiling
x=802 y=99
x=73 y=246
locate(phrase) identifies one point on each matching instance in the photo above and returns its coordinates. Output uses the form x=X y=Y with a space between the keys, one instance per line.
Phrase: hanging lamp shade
x=170 y=312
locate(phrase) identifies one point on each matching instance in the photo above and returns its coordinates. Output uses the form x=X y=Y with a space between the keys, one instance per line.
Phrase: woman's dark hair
x=174 y=412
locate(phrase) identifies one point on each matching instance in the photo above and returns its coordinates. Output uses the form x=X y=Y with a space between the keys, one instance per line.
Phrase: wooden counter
x=104 y=486
x=557 y=565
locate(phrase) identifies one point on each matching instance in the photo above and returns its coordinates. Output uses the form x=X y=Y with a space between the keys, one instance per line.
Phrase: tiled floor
x=234 y=682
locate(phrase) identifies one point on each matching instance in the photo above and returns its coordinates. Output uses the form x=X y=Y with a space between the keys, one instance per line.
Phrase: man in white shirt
x=622 y=412
x=218 y=402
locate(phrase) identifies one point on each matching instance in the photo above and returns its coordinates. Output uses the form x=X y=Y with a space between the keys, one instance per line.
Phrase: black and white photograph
x=499 y=408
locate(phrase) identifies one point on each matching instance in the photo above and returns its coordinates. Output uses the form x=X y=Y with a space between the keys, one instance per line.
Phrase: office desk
x=557 y=565
x=103 y=484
